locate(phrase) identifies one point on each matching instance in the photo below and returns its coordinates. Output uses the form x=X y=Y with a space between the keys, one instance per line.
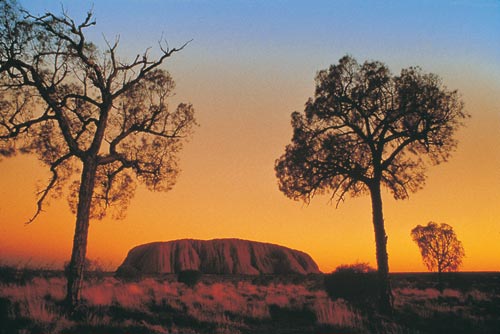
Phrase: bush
x=8 y=274
x=356 y=283
x=17 y=275
x=128 y=273
x=92 y=269
x=292 y=316
x=189 y=277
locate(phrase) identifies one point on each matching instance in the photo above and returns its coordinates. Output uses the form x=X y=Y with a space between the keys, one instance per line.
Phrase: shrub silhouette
x=92 y=268
x=128 y=273
x=292 y=316
x=9 y=274
x=356 y=283
x=189 y=277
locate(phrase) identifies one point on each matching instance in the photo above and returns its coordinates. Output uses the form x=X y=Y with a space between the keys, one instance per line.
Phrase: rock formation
x=218 y=256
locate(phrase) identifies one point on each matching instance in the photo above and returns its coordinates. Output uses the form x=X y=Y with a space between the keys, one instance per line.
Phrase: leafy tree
x=366 y=128
x=85 y=112
x=441 y=250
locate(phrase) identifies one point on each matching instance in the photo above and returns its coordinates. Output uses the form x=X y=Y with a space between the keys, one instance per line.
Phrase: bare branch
x=146 y=66
x=53 y=180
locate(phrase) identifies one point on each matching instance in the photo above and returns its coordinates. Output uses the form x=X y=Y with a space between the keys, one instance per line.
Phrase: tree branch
x=43 y=194
x=146 y=66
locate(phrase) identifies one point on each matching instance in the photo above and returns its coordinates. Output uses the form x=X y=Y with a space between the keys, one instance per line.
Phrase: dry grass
x=34 y=301
x=232 y=306
x=225 y=305
x=337 y=313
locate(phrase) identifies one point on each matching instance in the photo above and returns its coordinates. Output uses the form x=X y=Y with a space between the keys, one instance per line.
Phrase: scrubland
x=34 y=304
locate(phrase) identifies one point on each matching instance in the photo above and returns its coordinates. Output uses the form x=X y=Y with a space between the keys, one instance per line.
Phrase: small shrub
x=292 y=316
x=19 y=275
x=263 y=279
x=356 y=283
x=92 y=269
x=8 y=274
x=128 y=273
x=189 y=277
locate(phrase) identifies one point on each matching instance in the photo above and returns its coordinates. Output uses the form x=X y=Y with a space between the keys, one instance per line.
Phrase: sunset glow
x=249 y=66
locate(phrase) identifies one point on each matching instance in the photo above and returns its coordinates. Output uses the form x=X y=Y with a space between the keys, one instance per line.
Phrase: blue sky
x=379 y=29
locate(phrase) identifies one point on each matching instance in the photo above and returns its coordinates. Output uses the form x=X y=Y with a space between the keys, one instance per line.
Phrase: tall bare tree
x=84 y=111
x=365 y=129
x=439 y=246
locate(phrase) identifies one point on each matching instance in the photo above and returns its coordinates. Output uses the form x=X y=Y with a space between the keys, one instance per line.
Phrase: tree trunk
x=77 y=263
x=440 y=280
x=385 y=293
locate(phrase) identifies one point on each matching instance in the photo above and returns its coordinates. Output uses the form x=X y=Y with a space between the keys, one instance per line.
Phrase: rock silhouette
x=218 y=256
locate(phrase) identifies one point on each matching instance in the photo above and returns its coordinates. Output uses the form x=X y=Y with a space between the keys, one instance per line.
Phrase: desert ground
x=31 y=301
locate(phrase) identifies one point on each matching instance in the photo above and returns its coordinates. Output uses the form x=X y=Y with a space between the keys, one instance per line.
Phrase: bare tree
x=441 y=250
x=364 y=129
x=84 y=111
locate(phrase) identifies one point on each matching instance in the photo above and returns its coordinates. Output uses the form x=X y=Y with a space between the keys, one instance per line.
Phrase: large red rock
x=218 y=256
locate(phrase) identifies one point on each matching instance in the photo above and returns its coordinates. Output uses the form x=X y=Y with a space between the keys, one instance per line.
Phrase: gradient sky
x=250 y=64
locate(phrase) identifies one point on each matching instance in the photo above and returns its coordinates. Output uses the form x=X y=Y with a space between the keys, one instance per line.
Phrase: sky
x=250 y=64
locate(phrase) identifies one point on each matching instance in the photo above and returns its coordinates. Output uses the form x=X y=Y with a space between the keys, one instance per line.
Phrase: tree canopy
x=365 y=125
x=65 y=100
x=439 y=246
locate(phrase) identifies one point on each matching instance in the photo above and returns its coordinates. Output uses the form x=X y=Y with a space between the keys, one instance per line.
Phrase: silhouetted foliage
x=128 y=273
x=8 y=274
x=356 y=283
x=366 y=128
x=291 y=317
x=24 y=275
x=91 y=269
x=96 y=121
x=189 y=277
x=359 y=268
x=440 y=249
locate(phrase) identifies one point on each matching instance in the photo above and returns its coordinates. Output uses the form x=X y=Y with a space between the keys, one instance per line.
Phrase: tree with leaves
x=88 y=113
x=366 y=128
x=440 y=249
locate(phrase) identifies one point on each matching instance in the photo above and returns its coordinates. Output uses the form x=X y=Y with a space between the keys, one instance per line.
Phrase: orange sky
x=227 y=187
